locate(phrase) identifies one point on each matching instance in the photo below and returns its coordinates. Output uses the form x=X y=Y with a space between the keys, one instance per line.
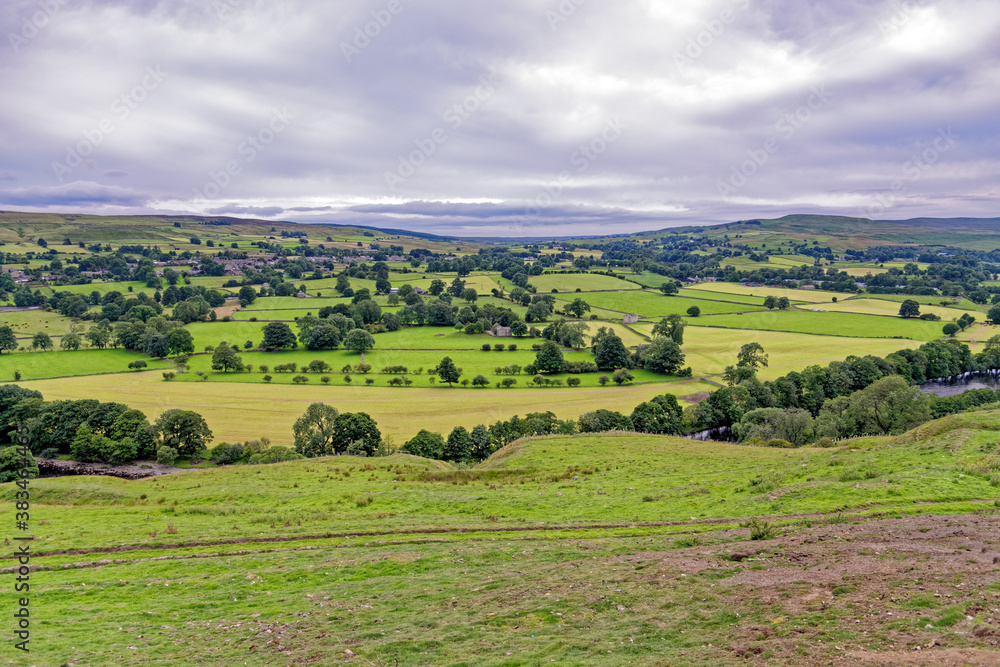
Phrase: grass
x=710 y=350
x=37 y=365
x=812 y=296
x=587 y=282
x=891 y=309
x=602 y=593
x=649 y=304
x=27 y=323
x=829 y=324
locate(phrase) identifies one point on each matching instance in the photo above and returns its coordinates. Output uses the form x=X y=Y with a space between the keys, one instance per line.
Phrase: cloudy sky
x=513 y=118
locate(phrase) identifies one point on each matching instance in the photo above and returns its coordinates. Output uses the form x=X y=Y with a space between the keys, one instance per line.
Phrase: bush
x=300 y=379
x=486 y=346
x=267 y=378
x=760 y=530
x=499 y=347
x=275 y=455
x=166 y=455
x=49 y=453
x=512 y=347
x=225 y=453
x=573 y=382
x=169 y=375
x=11 y=465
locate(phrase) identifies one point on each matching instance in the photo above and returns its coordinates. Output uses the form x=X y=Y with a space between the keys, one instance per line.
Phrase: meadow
x=829 y=324
x=649 y=304
x=891 y=309
x=810 y=296
x=582 y=550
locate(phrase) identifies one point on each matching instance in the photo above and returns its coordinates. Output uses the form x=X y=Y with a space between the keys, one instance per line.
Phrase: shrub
x=499 y=347
x=166 y=455
x=512 y=347
x=225 y=453
x=169 y=375
x=274 y=455
x=11 y=465
x=603 y=380
x=486 y=346
x=300 y=379
x=49 y=453
x=507 y=383
x=267 y=378
x=325 y=379
x=136 y=365
x=573 y=382
x=760 y=530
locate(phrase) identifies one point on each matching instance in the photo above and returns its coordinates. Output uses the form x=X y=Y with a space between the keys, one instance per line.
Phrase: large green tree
x=8 y=341
x=663 y=355
x=225 y=359
x=671 y=326
x=909 y=308
x=184 y=430
x=549 y=358
x=313 y=432
x=752 y=355
x=448 y=372
x=610 y=353
x=277 y=336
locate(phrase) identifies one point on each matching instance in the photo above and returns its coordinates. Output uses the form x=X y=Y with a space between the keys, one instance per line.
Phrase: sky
x=504 y=119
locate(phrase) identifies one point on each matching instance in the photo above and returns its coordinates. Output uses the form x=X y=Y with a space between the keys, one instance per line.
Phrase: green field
x=587 y=282
x=27 y=323
x=576 y=550
x=35 y=365
x=812 y=296
x=891 y=308
x=829 y=324
x=649 y=304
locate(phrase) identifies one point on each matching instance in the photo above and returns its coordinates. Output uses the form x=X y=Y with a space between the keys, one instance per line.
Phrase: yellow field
x=710 y=350
x=812 y=296
x=237 y=411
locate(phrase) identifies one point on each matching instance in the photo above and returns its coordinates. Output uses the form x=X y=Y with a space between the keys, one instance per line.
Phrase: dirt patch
x=137 y=470
x=694 y=398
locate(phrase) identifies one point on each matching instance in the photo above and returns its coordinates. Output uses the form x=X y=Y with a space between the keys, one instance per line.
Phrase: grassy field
x=891 y=308
x=238 y=411
x=587 y=550
x=36 y=365
x=27 y=323
x=587 y=282
x=649 y=304
x=829 y=324
x=811 y=296
x=710 y=350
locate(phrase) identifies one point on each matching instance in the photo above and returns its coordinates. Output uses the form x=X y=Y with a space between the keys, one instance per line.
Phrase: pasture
x=811 y=296
x=829 y=324
x=650 y=304
x=575 y=550
x=236 y=411
x=891 y=309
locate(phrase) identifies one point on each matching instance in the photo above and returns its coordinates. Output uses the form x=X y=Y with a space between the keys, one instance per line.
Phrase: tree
x=225 y=359
x=470 y=295
x=663 y=414
x=13 y=462
x=480 y=381
x=909 y=308
x=951 y=329
x=8 y=341
x=663 y=355
x=359 y=340
x=99 y=336
x=459 y=445
x=184 y=430
x=694 y=311
x=752 y=355
x=71 y=341
x=481 y=445
x=550 y=358
x=604 y=420
x=994 y=314
x=426 y=444
x=784 y=303
x=277 y=336
x=621 y=376
x=793 y=425
x=671 y=327
x=356 y=433
x=770 y=302
x=610 y=353
x=180 y=341
x=578 y=307
x=670 y=287
x=156 y=346
x=247 y=295
x=41 y=340
x=313 y=432
x=448 y=372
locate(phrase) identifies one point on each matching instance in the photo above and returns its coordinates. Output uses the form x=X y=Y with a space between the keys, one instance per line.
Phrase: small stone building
x=630 y=318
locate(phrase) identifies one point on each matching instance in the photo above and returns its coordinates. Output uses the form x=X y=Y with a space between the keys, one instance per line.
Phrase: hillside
x=841 y=233
x=580 y=549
